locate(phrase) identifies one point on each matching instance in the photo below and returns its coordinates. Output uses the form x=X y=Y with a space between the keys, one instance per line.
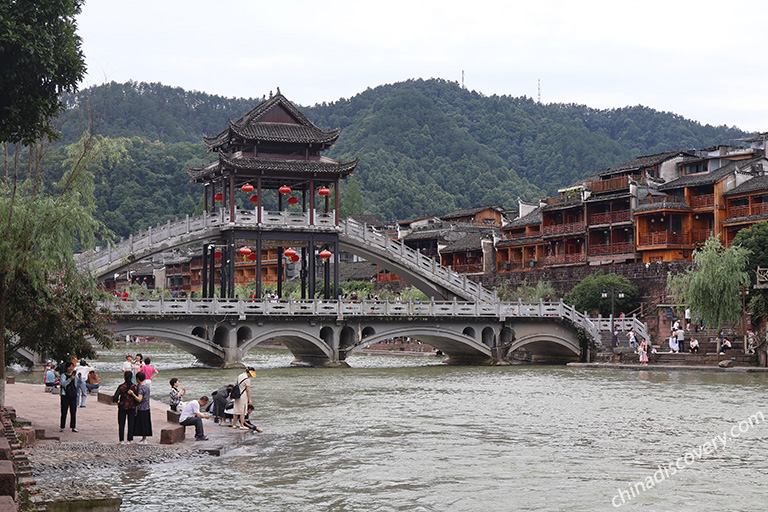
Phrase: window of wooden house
x=676 y=224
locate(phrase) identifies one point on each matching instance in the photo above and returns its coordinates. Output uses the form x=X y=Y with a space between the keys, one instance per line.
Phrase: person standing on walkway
x=143 y=425
x=149 y=372
x=643 y=351
x=128 y=364
x=632 y=338
x=191 y=415
x=242 y=390
x=138 y=363
x=68 y=397
x=82 y=373
x=126 y=407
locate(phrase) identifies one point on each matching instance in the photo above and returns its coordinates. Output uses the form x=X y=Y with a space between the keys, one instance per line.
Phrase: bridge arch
x=205 y=351
x=305 y=347
x=548 y=346
x=458 y=346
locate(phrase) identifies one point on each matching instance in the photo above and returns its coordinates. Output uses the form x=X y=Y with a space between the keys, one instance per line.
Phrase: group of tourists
x=73 y=382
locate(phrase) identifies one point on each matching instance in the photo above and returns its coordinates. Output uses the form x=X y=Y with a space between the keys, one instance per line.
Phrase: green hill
x=425 y=146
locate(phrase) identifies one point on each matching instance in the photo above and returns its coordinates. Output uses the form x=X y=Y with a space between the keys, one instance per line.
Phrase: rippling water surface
x=408 y=434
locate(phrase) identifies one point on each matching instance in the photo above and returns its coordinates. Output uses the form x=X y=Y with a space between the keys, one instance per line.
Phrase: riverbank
x=669 y=367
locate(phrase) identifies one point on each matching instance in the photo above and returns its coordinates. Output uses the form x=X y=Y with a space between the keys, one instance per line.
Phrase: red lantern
x=247 y=188
x=217 y=255
x=245 y=251
x=254 y=199
x=293 y=200
x=253 y=256
x=285 y=190
x=288 y=253
x=219 y=197
x=324 y=191
x=294 y=258
x=325 y=254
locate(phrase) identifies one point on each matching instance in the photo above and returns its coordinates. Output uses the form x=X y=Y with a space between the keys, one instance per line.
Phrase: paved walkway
x=651 y=366
x=97 y=421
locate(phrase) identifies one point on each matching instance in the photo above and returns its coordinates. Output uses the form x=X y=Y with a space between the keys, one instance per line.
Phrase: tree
x=755 y=239
x=588 y=294
x=42 y=59
x=526 y=292
x=352 y=204
x=713 y=285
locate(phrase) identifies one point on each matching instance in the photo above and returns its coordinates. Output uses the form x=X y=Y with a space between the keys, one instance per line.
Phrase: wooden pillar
x=258 y=262
x=226 y=255
x=213 y=197
x=311 y=202
x=336 y=269
x=303 y=272
x=327 y=278
x=231 y=198
x=279 y=272
x=311 y=265
x=232 y=265
x=204 y=272
x=258 y=207
x=336 y=198
x=212 y=271
x=205 y=198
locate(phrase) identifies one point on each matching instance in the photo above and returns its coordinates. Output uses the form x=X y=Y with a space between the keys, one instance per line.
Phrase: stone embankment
x=38 y=449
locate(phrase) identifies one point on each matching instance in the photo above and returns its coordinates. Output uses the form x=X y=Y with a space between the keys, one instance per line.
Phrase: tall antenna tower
x=462 y=79
x=539 y=90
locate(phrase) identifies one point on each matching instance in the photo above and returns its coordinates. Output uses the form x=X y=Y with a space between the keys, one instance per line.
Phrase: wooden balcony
x=467 y=268
x=663 y=238
x=704 y=201
x=700 y=235
x=609 y=185
x=616 y=248
x=513 y=236
x=663 y=199
x=559 y=229
x=610 y=217
x=746 y=210
x=564 y=259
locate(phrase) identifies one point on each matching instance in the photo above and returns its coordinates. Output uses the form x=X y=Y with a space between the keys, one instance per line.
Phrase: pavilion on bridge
x=272 y=155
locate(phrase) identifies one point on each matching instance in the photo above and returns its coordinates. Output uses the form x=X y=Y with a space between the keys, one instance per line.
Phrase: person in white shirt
x=242 y=391
x=128 y=364
x=191 y=415
x=82 y=371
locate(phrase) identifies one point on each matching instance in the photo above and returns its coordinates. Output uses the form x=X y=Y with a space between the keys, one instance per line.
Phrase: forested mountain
x=425 y=146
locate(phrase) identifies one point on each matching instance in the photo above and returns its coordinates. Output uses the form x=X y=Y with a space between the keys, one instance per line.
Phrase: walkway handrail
x=412 y=258
x=343 y=308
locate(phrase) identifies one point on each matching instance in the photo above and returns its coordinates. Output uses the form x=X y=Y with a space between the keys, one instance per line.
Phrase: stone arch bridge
x=323 y=333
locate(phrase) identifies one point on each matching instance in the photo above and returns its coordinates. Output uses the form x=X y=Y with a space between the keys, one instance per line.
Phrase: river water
x=408 y=434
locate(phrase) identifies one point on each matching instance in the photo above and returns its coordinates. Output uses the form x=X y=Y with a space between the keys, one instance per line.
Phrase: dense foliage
x=713 y=285
x=425 y=146
x=41 y=59
x=593 y=293
x=755 y=240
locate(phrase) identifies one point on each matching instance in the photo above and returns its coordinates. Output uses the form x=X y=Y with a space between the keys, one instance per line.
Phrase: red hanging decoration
x=294 y=258
x=293 y=200
x=247 y=188
x=324 y=191
x=288 y=253
x=219 y=197
x=285 y=190
x=254 y=199
x=325 y=254
x=253 y=256
x=217 y=255
x=245 y=251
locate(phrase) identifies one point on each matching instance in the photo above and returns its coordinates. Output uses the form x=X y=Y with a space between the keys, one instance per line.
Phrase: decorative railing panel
x=664 y=238
x=703 y=201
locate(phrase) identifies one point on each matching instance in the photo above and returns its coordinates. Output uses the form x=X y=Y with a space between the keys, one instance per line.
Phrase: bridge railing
x=405 y=254
x=342 y=308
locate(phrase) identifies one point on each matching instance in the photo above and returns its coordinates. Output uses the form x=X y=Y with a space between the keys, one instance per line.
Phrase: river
x=408 y=434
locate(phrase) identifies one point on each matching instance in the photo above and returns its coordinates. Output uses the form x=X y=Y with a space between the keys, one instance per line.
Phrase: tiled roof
x=249 y=127
x=357 y=271
x=532 y=219
x=647 y=161
x=283 y=132
x=325 y=165
x=518 y=241
x=758 y=183
x=708 y=178
x=469 y=242
x=665 y=205
x=466 y=212
x=748 y=218
x=369 y=220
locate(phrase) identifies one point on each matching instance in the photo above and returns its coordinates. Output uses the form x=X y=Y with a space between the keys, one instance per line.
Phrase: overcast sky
x=704 y=60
